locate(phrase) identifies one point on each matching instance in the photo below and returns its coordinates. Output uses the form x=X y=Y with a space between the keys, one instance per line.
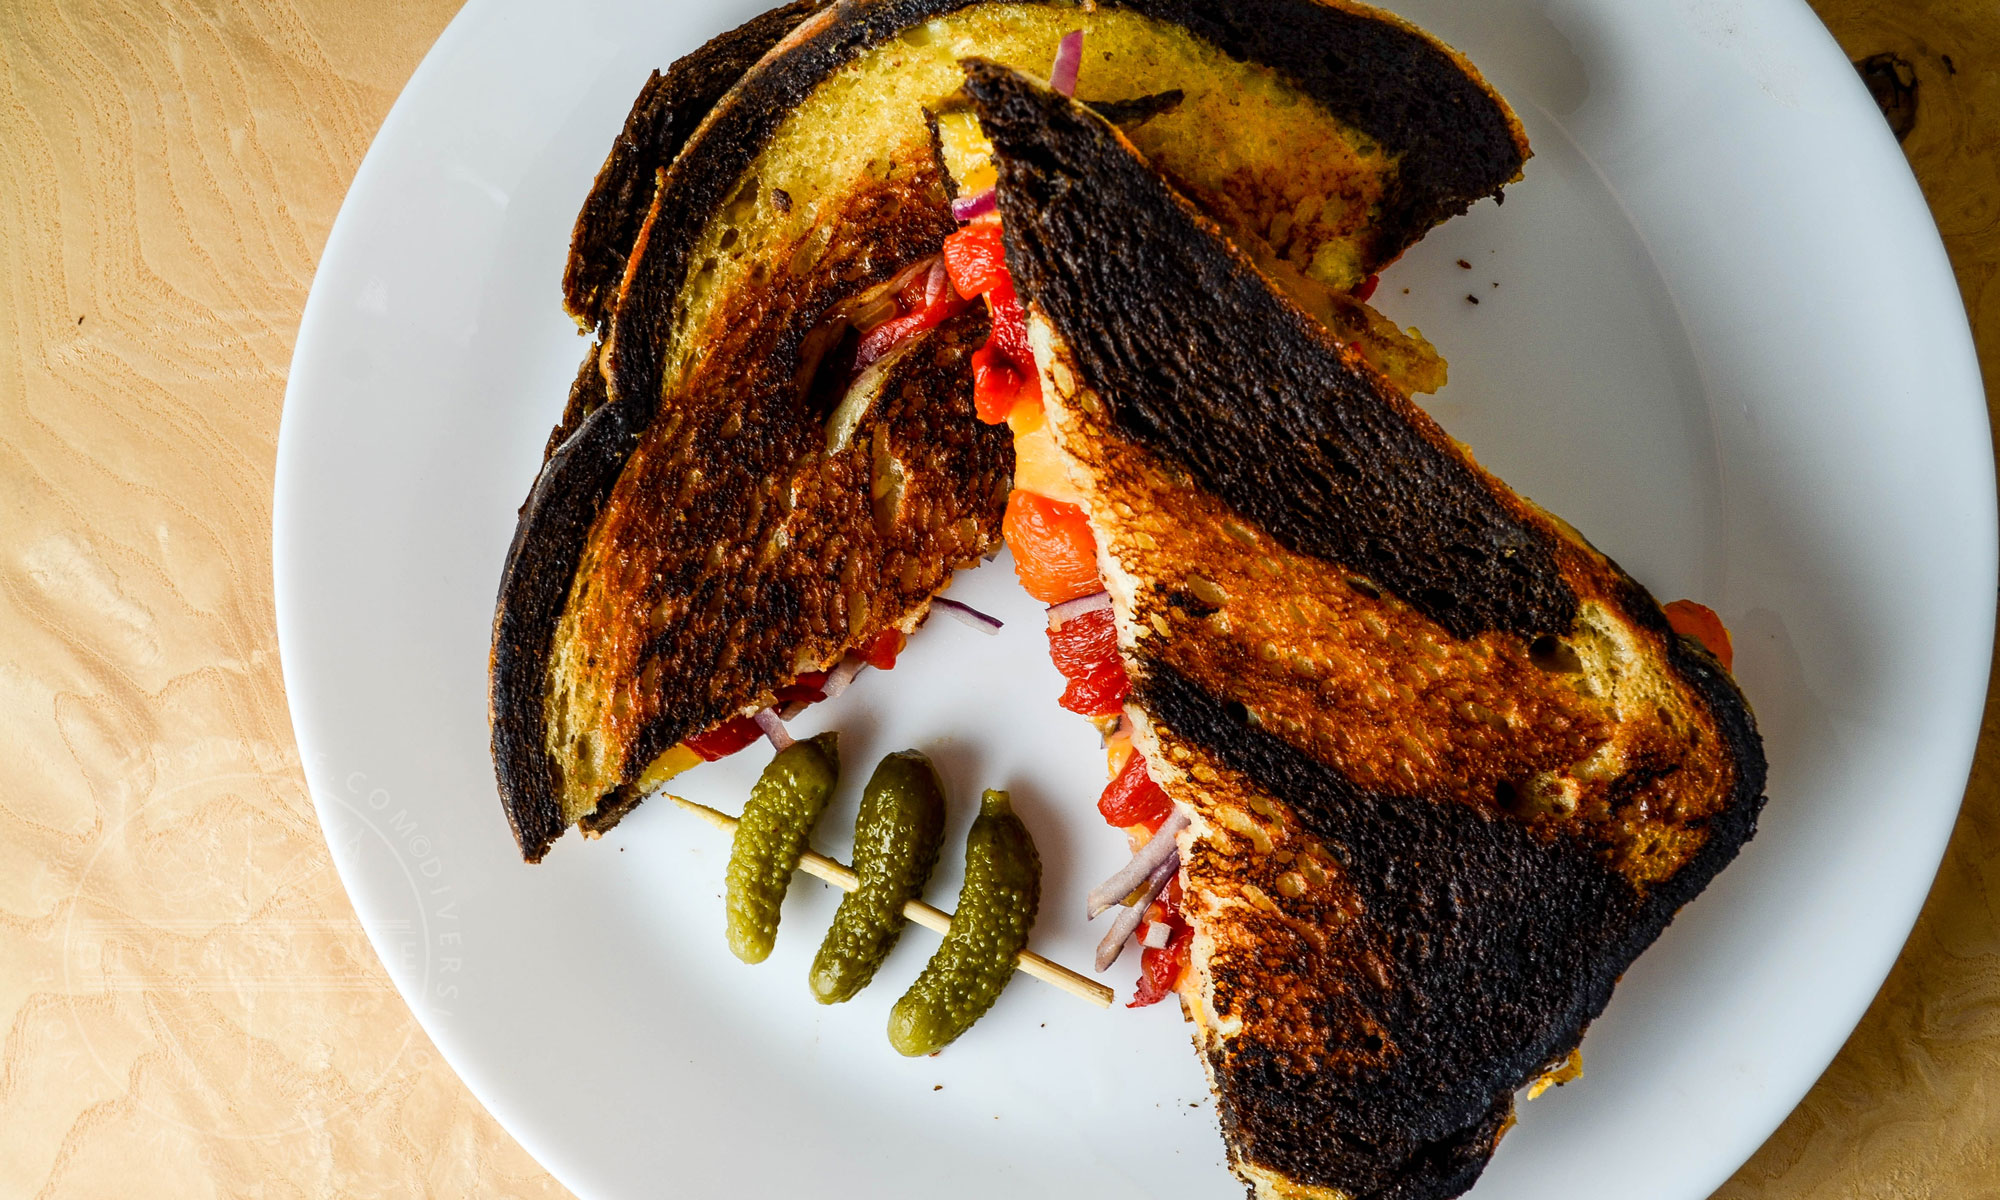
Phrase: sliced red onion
x=935 y=284
x=1069 y=57
x=842 y=675
x=908 y=275
x=1128 y=920
x=965 y=208
x=968 y=614
x=767 y=720
x=1158 y=934
x=1129 y=876
x=1070 y=610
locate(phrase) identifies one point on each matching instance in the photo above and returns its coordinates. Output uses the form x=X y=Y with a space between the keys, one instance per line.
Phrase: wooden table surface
x=189 y=1006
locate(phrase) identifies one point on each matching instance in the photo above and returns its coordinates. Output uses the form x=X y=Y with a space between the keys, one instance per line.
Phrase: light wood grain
x=187 y=1007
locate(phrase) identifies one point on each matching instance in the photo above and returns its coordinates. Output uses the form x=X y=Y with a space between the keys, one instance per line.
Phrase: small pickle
x=771 y=838
x=896 y=840
x=996 y=908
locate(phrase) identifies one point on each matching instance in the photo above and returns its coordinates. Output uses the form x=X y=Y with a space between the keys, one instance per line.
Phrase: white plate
x=1725 y=343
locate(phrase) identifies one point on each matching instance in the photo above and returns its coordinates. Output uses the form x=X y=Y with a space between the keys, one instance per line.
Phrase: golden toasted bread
x=1448 y=768
x=709 y=520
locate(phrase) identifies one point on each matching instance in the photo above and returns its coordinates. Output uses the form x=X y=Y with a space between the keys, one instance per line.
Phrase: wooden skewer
x=841 y=876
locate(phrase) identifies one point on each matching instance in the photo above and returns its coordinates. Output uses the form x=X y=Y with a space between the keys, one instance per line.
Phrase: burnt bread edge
x=586 y=395
x=671 y=106
x=1458 y=141
x=1362 y=483
x=1555 y=899
x=534 y=585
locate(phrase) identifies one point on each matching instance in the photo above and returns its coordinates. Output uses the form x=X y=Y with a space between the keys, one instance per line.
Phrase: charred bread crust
x=1503 y=947
x=1460 y=945
x=743 y=619
x=534 y=583
x=586 y=396
x=1358 y=482
x=1456 y=139
x=670 y=107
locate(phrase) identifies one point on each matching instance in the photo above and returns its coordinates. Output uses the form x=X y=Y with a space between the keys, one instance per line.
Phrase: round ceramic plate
x=1715 y=329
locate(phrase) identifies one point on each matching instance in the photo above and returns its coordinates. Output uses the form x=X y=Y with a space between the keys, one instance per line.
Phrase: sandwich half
x=771 y=460
x=1447 y=769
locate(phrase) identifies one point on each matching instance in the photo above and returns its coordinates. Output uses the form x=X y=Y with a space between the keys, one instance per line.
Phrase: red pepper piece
x=725 y=739
x=1055 y=554
x=1101 y=693
x=1367 y=288
x=1160 y=969
x=881 y=650
x=929 y=309
x=1133 y=798
x=1085 y=650
x=975 y=258
x=1010 y=325
x=809 y=687
x=998 y=385
x=1699 y=622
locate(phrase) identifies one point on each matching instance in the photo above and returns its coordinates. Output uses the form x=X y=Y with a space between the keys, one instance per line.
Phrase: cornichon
x=996 y=908
x=771 y=838
x=896 y=840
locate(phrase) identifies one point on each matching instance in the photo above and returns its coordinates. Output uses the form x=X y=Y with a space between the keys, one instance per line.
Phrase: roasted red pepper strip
x=922 y=308
x=1010 y=325
x=725 y=739
x=998 y=385
x=975 y=258
x=881 y=650
x=1003 y=370
x=1133 y=798
x=1085 y=650
x=1699 y=622
x=1160 y=969
x=1055 y=554
x=809 y=687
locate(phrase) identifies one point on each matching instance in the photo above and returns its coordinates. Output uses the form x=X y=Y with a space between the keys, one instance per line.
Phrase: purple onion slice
x=965 y=208
x=1070 y=610
x=935 y=284
x=1069 y=57
x=969 y=615
x=1128 y=920
x=842 y=675
x=767 y=720
x=1142 y=866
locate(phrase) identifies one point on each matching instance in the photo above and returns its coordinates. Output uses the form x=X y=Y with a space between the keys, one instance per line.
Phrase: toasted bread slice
x=670 y=107
x=695 y=538
x=1448 y=768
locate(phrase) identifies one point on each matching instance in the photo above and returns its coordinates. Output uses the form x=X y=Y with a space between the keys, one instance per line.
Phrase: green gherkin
x=896 y=839
x=771 y=838
x=996 y=908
